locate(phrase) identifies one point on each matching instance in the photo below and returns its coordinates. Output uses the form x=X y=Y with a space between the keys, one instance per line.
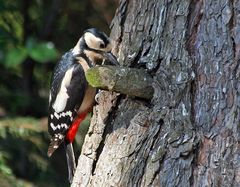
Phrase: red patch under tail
x=74 y=127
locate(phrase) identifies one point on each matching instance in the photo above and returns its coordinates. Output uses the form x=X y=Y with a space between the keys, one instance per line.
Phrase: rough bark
x=188 y=135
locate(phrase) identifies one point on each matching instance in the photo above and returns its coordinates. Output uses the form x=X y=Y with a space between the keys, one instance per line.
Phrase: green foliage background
x=33 y=36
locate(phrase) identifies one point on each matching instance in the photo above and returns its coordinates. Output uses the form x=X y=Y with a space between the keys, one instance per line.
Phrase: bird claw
x=97 y=96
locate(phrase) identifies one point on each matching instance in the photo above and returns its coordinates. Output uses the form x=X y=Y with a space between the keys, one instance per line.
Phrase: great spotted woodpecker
x=71 y=97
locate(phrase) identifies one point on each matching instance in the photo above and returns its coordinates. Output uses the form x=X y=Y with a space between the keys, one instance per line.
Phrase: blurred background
x=33 y=36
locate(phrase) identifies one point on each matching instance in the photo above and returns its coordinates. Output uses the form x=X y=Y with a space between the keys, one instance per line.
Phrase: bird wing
x=66 y=95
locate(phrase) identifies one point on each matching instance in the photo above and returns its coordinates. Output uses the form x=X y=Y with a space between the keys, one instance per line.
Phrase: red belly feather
x=74 y=127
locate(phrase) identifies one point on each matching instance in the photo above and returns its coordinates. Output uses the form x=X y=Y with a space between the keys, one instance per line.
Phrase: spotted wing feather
x=67 y=93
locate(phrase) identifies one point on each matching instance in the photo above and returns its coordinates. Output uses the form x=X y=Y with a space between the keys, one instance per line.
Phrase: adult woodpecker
x=71 y=97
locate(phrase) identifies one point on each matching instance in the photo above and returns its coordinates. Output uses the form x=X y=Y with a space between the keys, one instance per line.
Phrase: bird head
x=96 y=46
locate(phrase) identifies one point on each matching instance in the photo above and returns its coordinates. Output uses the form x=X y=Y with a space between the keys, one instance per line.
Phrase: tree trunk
x=189 y=133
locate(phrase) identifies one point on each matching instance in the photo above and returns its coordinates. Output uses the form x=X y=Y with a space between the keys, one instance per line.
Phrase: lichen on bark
x=131 y=81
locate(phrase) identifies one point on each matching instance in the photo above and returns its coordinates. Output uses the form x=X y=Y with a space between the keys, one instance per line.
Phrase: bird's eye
x=101 y=45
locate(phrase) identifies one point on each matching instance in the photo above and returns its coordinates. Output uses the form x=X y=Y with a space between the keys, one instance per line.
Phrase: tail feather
x=56 y=140
x=70 y=161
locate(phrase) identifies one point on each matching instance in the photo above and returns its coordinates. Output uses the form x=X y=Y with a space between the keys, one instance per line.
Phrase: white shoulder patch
x=62 y=96
x=76 y=49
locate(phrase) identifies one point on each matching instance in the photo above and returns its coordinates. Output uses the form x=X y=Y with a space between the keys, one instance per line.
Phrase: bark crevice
x=194 y=17
x=107 y=130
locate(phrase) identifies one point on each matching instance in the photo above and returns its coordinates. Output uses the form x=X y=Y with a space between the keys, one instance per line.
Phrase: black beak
x=111 y=58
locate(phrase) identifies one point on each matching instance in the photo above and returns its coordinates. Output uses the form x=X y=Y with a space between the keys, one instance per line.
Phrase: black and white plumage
x=70 y=95
x=67 y=92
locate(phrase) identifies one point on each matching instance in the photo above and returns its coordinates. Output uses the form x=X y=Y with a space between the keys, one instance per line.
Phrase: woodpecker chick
x=71 y=97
